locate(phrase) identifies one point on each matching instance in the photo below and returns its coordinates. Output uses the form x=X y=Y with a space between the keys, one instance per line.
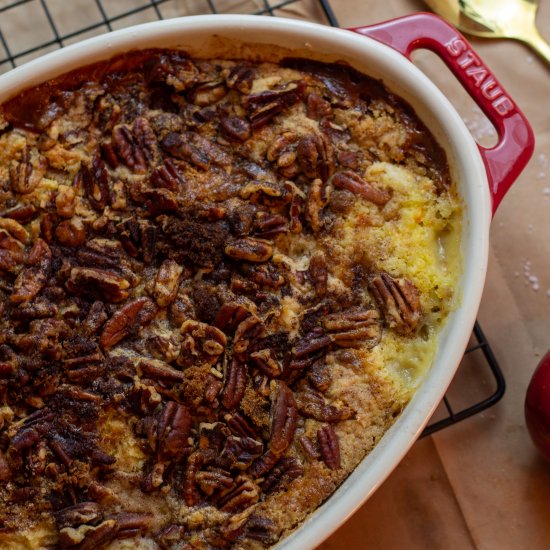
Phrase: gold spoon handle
x=538 y=43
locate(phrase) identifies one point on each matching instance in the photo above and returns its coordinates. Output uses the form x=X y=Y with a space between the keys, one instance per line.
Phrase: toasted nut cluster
x=190 y=323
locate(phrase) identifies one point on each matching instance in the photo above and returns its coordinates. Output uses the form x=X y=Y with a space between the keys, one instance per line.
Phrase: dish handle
x=503 y=162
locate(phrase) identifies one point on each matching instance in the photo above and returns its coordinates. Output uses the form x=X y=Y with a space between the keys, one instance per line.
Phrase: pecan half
x=127 y=150
x=242 y=496
x=33 y=279
x=127 y=321
x=94 y=179
x=95 y=319
x=309 y=349
x=241 y=451
x=208 y=93
x=286 y=470
x=247 y=332
x=267 y=224
x=229 y=316
x=146 y=141
x=354 y=327
x=263 y=106
x=168 y=176
x=25 y=175
x=315 y=156
x=97 y=284
x=284 y=418
x=399 y=301
x=79 y=514
x=235 y=384
x=168 y=431
x=166 y=282
x=312 y=405
x=87 y=537
x=265 y=361
x=202 y=344
x=282 y=152
x=329 y=446
x=159 y=370
x=240 y=78
x=351 y=181
x=249 y=249
x=71 y=232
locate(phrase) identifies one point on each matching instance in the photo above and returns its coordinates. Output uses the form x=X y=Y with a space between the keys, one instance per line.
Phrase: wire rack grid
x=30 y=28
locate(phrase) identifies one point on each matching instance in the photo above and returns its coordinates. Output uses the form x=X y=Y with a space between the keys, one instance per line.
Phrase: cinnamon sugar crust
x=221 y=281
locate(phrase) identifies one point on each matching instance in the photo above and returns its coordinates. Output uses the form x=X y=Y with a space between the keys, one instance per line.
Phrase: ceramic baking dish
x=382 y=51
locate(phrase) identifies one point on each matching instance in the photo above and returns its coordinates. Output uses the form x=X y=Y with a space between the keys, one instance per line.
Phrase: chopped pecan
x=265 y=193
x=170 y=536
x=159 y=370
x=284 y=417
x=315 y=156
x=317 y=198
x=87 y=537
x=241 y=451
x=282 y=152
x=261 y=529
x=22 y=213
x=208 y=93
x=240 y=78
x=235 y=384
x=127 y=321
x=168 y=431
x=98 y=284
x=248 y=331
x=319 y=376
x=95 y=319
x=267 y=225
x=318 y=273
x=235 y=128
x=16 y=230
x=265 y=275
x=194 y=463
x=264 y=464
x=329 y=446
x=94 y=178
x=5 y=472
x=351 y=181
x=79 y=514
x=249 y=249
x=234 y=526
x=296 y=208
x=399 y=301
x=65 y=201
x=286 y=470
x=26 y=174
x=159 y=201
x=71 y=232
x=202 y=344
x=168 y=176
x=166 y=282
x=37 y=309
x=240 y=426
x=354 y=327
x=265 y=361
x=33 y=279
x=317 y=107
x=312 y=405
x=138 y=236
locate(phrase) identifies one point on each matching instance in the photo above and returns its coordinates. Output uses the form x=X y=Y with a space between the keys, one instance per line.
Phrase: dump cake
x=220 y=283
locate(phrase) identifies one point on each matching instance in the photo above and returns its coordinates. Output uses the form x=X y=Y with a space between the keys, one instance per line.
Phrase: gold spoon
x=495 y=19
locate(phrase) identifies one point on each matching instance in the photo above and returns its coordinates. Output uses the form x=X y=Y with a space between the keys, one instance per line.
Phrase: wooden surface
x=481 y=484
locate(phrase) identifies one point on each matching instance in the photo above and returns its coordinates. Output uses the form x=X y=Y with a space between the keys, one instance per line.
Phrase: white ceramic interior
x=195 y=34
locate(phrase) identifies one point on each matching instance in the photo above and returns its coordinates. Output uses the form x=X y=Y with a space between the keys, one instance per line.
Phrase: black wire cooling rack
x=29 y=28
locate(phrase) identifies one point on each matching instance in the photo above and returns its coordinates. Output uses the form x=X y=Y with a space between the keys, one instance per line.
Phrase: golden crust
x=221 y=282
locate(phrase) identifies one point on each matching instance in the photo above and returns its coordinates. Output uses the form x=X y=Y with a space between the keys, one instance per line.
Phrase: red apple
x=537 y=407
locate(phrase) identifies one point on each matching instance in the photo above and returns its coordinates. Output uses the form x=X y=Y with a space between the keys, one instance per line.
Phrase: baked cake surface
x=220 y=283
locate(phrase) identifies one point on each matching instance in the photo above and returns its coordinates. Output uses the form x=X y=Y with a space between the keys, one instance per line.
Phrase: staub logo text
x=476 y=70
